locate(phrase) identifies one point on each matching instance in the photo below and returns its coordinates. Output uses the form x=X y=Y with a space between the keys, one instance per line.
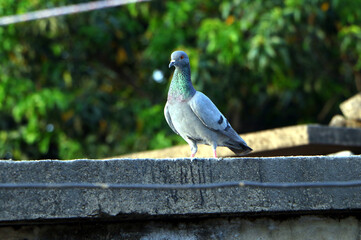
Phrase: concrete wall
x=230 y=213
x=297 y=228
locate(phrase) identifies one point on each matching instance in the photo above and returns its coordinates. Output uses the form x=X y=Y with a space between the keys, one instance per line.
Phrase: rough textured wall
x=170 y=214
x=306 y=227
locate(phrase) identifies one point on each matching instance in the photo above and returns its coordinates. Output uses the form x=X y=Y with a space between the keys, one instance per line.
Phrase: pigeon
x=193 y=116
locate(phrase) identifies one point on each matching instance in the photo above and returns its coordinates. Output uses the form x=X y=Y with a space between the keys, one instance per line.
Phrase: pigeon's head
x=179 y=59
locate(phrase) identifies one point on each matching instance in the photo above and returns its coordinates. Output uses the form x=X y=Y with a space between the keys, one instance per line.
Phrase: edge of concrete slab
x=310 y=139
x=27 y=205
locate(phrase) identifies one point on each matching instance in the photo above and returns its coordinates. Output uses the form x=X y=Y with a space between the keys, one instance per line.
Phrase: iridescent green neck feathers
x=181 y=87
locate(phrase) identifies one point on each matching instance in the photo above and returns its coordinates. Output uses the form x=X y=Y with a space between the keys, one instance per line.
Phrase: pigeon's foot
x=215 y=153
x=192 y=155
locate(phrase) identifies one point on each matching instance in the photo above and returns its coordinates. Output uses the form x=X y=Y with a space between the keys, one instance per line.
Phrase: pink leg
x=215 y=153
x=192 y=155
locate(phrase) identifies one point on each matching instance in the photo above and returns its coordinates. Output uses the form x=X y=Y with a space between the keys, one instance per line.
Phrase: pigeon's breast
x=188 y=124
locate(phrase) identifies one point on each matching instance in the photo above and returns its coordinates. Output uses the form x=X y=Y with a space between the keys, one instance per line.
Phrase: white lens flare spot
x=49 y=127
x=158 y=76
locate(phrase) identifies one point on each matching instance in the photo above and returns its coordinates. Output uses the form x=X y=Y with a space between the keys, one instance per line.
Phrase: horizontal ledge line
x=140 y=186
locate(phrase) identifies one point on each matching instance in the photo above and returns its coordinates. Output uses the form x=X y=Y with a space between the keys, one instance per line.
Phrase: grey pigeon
x=193 y=116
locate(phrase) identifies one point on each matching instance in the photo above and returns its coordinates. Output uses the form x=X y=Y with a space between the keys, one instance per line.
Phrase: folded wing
x=208 y=113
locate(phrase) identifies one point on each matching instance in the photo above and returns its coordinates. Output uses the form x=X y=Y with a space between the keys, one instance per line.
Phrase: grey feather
x=207 y=112
x=213 y=119
x=169 y=119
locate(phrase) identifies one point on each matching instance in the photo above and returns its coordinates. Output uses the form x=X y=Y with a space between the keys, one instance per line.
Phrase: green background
x=82 y=85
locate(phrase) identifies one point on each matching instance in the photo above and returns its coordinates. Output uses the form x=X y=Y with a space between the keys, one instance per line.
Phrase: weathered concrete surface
x=351 y=108
x=39 y=205
x=304 y=227
x=341 y=121
x=286 y=141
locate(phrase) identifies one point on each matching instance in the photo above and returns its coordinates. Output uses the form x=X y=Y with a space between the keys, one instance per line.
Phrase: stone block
x=351 y=108
x=341 y=121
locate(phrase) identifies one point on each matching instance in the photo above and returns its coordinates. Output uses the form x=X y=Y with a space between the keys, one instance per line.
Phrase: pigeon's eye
x=181 y=57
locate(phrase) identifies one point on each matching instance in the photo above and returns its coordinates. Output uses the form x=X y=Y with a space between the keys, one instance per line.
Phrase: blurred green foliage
x=81 y=85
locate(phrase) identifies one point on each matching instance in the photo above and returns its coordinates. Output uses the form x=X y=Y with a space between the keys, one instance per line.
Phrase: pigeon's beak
x=171 y=64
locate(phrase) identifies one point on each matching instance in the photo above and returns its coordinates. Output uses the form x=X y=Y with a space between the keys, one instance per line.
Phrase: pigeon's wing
x=169 y=119
x=208 y=113
x=213 y=119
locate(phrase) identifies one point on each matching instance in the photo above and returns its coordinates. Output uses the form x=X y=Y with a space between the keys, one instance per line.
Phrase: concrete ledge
x=29 y=205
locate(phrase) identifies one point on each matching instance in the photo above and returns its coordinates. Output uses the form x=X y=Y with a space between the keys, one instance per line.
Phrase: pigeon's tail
x=241 y=150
